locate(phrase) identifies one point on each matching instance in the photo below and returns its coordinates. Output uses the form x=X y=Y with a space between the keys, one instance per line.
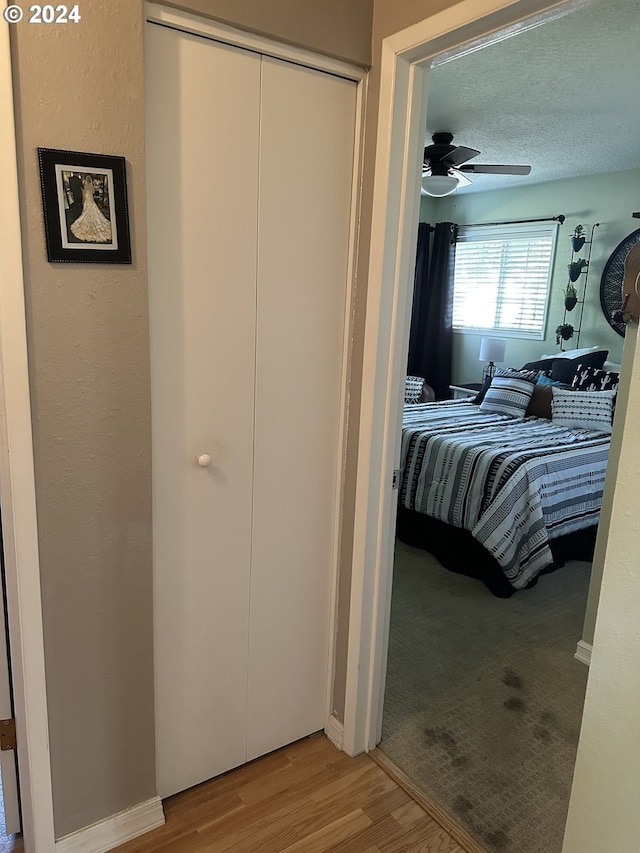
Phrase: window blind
x=502 y=278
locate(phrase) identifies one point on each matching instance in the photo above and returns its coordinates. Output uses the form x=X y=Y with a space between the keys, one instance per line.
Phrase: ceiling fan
x=443 y=166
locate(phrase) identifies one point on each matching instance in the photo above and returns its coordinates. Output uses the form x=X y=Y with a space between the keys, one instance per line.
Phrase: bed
x=496 y=496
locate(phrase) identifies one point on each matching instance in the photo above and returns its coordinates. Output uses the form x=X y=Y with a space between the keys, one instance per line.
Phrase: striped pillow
x=582 y=409
x=510 y=392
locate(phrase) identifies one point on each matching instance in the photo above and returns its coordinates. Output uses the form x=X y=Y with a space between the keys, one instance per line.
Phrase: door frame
x=18 y=498
x=398 y=162
x=190 y=23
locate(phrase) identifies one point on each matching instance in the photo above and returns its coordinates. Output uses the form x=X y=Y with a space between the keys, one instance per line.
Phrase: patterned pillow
x=583 y=409
x=515 y=373
x=413 y=389
x=591 y=379
x=510 y=392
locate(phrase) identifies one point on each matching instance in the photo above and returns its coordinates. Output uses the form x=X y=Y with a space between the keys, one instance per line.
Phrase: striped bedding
x=514 y=484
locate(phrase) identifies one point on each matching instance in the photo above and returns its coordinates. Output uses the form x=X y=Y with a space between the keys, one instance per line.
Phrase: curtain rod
x=560 y=218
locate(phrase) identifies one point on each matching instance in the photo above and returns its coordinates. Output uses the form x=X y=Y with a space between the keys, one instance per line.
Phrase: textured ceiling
x=563 y=97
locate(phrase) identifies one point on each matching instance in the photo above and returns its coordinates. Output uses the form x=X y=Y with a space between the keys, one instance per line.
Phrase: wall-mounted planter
x=578 y=238
x=570 y=302
x=576 y=268
x=564 y=332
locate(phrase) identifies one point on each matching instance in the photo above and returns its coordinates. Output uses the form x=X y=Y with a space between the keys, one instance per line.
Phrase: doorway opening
x=483 y=695
x=386 y=346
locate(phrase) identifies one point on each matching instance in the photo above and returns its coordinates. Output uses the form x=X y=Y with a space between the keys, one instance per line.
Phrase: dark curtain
x=430 y=341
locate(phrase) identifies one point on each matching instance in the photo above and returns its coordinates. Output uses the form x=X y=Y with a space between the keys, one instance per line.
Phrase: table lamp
x=491 y=351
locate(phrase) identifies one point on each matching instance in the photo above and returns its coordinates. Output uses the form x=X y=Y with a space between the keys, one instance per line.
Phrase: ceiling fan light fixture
x=439 y=186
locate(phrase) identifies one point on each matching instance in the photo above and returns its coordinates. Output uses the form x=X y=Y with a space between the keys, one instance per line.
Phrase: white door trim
x=352 y=263
x=400 y=139
x=169 y=17
x=17 y=494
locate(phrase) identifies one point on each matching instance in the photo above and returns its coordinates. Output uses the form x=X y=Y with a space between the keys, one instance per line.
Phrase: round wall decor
x=611 y=281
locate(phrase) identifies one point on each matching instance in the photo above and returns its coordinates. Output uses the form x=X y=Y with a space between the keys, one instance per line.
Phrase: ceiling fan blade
x=482 y=169
x=437 y=153
x=460 y=155
x=463 y=180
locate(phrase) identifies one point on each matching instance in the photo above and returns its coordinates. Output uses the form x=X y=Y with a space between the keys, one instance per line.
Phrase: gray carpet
x=484 y=698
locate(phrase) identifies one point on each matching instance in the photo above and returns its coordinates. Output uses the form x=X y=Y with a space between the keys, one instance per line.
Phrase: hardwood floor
x=305 y=798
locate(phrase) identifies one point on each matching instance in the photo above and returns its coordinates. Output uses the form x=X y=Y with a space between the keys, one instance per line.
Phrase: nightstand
x=469 y=390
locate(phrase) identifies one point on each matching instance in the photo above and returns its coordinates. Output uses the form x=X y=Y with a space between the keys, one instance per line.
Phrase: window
x=503 y=277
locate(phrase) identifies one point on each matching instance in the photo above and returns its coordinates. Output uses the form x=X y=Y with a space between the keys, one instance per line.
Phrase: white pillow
x=582 y=409
x=572 y=353
x=612 y=367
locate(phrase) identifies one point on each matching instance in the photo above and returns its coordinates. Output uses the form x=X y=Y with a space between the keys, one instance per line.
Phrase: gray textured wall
x=339 y=28
x=80 y=87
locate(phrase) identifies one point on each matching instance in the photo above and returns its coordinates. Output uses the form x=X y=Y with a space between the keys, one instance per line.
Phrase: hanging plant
x=564 y=332
x=570 y=297
x=577 y=238
x=575 y=268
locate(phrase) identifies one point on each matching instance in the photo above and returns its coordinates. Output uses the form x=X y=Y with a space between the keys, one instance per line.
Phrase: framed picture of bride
x=84 y=197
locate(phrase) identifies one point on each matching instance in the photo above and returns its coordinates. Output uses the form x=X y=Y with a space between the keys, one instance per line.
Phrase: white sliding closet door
x=250 y=163
x=306 y=168
x=202 y=177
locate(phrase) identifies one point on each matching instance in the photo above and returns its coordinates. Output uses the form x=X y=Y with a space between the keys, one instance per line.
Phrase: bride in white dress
x=91 y=226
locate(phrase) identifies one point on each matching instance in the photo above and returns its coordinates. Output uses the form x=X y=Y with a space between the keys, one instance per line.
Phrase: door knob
x=204 y=460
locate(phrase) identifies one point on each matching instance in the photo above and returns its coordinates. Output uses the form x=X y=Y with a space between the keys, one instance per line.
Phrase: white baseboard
x=334 y=730
x=583 y=652
x=114 y=830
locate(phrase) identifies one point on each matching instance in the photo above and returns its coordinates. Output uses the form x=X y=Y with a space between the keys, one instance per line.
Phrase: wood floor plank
x=341 y=830
x=408 y=814
x=370 y=794
x=378 y=807
x=292 y=776
x=383 y=833
x=158 y=839
x=300 y=814
x=283 y=804
x=306 y=798
x=199 y=811
x=269 y=827
x=349 y=781
x=439 y=842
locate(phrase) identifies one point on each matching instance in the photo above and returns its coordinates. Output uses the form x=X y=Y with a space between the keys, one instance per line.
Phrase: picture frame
x=84 y=199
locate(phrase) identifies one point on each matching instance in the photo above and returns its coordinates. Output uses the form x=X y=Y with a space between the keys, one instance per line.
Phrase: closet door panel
x=306 y=163
x=202 y=139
